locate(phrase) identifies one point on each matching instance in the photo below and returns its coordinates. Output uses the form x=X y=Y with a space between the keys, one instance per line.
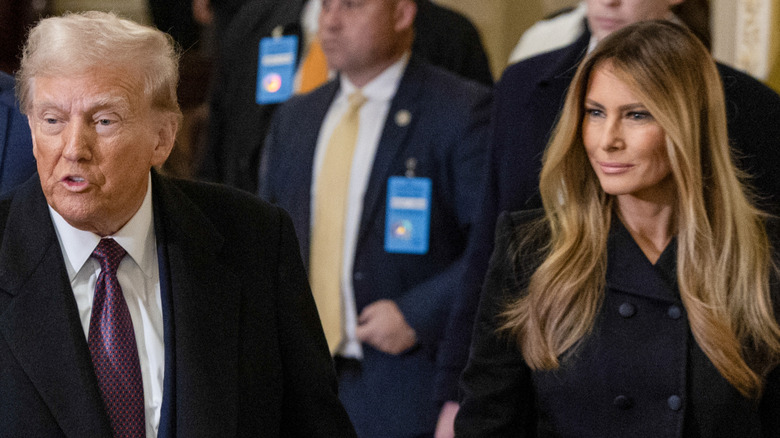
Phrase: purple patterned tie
x=113 y=348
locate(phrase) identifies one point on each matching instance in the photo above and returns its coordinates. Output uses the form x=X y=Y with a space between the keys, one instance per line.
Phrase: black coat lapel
x=41 y=323
x=205 y=314
x=629 y=270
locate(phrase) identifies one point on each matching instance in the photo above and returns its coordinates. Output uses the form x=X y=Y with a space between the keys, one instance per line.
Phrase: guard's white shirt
x=379 y=94
x=139 y=277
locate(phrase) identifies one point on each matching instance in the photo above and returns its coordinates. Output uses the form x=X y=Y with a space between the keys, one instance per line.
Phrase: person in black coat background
x=530 y=94
x=221 y=332
x=643 y=301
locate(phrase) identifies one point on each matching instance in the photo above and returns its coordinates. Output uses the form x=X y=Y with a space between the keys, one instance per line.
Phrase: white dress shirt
x=379 y=94
x=139 y=278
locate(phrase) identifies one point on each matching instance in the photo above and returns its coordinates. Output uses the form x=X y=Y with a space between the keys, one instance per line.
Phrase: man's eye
x=105 y=122
x=50 y=121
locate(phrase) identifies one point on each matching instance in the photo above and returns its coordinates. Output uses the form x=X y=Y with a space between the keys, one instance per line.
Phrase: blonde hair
x=77 y=42
x=723 y=253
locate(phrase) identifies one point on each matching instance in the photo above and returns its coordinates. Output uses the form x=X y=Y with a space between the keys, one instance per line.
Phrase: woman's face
x=625 y=144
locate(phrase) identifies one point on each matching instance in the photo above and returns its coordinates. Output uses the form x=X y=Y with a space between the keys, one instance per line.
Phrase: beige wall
x=501 y=22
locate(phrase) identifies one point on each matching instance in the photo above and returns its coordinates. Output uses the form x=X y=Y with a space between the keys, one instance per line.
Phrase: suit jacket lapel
x=303 y=159
x=393 y=140
x=205 y=318
x=41 y=323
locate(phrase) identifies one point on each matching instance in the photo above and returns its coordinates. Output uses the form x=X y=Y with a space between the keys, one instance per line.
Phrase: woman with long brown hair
x=643 y=300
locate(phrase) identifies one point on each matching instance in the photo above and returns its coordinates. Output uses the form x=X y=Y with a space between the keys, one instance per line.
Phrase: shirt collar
x=381 y=88
x=136 y=237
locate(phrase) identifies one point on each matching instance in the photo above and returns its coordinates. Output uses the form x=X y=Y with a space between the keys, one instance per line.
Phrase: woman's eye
x=639 y=115
x=593 y=112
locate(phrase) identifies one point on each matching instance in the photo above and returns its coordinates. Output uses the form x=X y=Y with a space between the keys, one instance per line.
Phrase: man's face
x=95 y=137
x=607 y=16
x=360 y=38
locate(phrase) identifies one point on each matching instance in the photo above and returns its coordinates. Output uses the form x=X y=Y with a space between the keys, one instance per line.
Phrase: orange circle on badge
x=272 y=82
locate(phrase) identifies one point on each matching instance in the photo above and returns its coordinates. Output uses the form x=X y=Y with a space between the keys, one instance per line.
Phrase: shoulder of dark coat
x=528 y=235
x=222 y=204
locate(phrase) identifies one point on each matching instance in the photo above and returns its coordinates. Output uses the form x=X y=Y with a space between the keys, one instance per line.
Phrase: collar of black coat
x=630 y=271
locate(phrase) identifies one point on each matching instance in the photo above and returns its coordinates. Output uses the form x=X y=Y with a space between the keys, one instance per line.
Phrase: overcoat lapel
x=41 y=323
x=205 y=309
x=393 y=141
x=629 y=270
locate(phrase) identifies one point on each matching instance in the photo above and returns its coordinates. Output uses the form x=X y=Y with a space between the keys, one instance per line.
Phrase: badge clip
x=411 y=164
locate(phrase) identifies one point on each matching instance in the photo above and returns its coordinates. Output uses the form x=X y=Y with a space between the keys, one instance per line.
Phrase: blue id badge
x=408 y=220
x=276 y=69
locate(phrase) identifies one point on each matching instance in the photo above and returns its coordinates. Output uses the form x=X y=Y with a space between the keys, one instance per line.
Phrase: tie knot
x=356 y=100
x=109 y=254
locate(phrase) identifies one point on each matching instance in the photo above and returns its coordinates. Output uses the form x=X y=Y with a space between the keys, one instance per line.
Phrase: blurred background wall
x=746 y=33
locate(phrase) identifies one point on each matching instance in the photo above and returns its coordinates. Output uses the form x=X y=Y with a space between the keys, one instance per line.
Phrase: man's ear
x=405 y=11
x=166 y=137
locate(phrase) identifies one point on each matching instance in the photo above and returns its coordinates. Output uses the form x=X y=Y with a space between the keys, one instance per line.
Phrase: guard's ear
x=405 y=11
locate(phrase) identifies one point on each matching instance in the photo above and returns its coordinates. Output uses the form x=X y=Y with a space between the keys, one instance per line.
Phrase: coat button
x=674 y=312
x=627 y=310
x=623 y=402
x=358 y=276
x=675 y=402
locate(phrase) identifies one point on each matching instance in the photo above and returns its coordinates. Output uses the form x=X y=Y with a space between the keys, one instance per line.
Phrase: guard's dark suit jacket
x=638 y=373
x=531 y=93
x=244 y=350
x=16 y=158
x=446 y=135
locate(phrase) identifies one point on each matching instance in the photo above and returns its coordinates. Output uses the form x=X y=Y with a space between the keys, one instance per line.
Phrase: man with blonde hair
x=135 y=305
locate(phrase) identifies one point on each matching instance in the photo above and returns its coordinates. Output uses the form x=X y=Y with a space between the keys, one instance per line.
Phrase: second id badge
x=408 y=220
x=276 y=69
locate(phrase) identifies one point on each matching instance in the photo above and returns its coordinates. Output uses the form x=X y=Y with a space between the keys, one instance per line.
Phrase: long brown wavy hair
x=724 y=256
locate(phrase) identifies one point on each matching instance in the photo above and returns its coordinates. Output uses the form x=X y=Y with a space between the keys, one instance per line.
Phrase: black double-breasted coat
x=639 y=373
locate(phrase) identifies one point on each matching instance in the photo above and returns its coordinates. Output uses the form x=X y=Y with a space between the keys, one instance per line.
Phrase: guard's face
x=607 y=16
x=360 y=37
x=625 y=144
x=95 y=138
